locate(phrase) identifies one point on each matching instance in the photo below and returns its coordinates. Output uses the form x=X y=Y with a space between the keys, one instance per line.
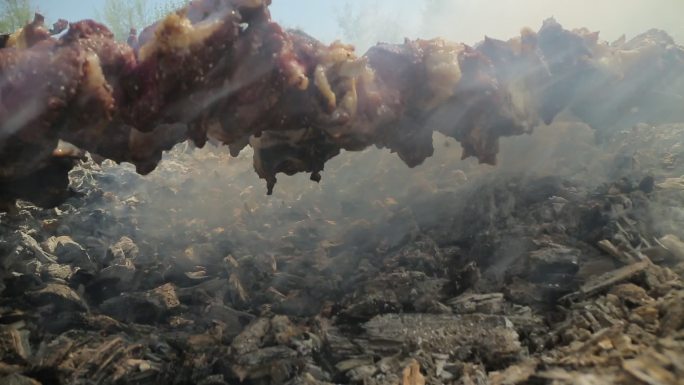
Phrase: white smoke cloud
x=470 y=20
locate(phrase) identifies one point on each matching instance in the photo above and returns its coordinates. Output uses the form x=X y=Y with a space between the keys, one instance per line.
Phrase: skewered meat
x=224 y=70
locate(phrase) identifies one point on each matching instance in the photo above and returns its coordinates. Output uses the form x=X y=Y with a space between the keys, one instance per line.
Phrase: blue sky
x=459 y=20
x=318 y=15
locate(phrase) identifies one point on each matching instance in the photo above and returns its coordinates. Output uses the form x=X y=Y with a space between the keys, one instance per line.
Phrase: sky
x=318 y=15
x=461 y=20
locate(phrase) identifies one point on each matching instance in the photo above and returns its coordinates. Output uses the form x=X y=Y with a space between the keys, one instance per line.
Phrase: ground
x=562 y=265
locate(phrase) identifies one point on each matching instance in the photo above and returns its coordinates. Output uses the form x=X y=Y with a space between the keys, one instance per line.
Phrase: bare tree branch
x=14 y=15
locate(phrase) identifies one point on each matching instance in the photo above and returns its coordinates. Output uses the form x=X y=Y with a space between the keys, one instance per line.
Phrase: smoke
x=202 y=206
x=470 y=20
x=365 y=23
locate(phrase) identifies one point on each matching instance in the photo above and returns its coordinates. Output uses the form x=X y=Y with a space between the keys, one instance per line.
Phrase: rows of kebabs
x=222 y=70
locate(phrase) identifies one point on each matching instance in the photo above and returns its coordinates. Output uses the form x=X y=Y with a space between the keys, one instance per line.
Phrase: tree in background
x=14 y=15
x=163 y=9
x=122 y=15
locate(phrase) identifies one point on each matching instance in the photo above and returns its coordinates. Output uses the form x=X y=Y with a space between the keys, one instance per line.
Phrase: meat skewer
x=224 y=70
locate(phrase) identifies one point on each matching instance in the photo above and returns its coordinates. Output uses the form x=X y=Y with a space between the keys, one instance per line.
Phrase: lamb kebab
x=224 y=70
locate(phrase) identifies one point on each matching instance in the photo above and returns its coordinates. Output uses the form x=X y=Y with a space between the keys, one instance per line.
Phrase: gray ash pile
x=561 y=267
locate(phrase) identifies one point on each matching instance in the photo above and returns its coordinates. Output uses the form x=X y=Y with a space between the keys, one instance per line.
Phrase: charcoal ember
x=216 y=379
x=19 y=284
x=55 y=271
x=7 y=369
x=622 y=256
x=463 y=276
x=445 y=370
x=360 y=365
x=252 y=337
x=514 y=374
x=58 y=297
x=532 y=327
x=400 y=226
x=123 y=249
x=411 y=374
x=11 y=316
x=336 y=346
x=308 y=379
x=429 y=305
x=647 y=318
x=418 y=369
x=522 y=292
x=198 y=276
x=672 y=310
x=553 y=263
x=369 y=304
x=422 y=254
x=234 y=320
x=391 y=370
x=197 y=255
x=392 y=293
x=143 y=307
x=32 y=247
x=165 y=296
x=286 y=282
x=311 y=371
x=603 y=345
x=568 y=335
x=53 y=179
x=283 y=330
x=66 y=321
x=14 y=345
x=492 y=338
x=269 y=350
x=618 y=324
x=195 y=356
x=492 y=303
x=276 y=363
x=18 y=379
x=563 y=376
x=637 y=306
x=632 y=295
x=348 y=263
x=650 y=369
x=76 y=356
x=68 y=251
x=659 y=280
x=606 y=280
x=211 y=340
x=361 y=373
x=248 y=278
x=543 y=275
x=674 y=245
x=121 y=274
x=304 y=295
x=298 y=304
x=203 y=293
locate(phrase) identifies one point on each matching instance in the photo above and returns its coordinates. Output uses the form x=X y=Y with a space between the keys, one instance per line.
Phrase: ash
x=562 y=266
